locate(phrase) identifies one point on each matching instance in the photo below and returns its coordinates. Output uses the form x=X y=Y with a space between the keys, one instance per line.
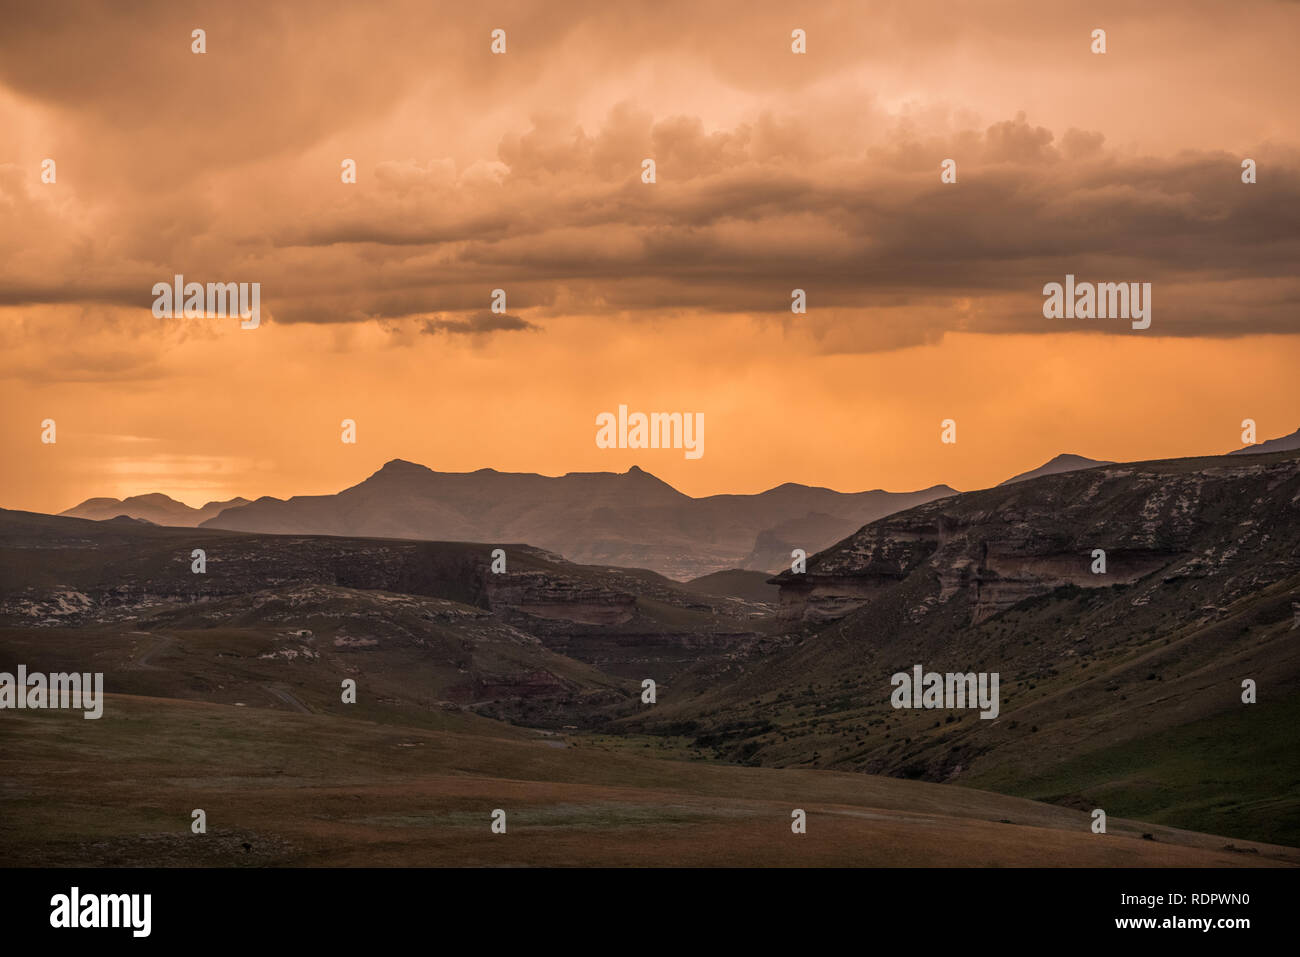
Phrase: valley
x=521 y=690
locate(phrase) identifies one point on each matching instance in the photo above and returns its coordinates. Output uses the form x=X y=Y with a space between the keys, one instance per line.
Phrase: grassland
x=287 y=789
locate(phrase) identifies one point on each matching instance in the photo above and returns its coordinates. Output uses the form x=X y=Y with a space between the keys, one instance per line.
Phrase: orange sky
x=522 y=171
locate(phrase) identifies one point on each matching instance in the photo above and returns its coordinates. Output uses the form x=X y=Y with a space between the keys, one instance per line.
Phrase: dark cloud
x=724 y=232
x=225 y=167
x=480 y=323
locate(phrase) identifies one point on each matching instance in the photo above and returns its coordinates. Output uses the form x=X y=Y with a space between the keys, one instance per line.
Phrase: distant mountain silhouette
x=156 y=508
x=629 y=519
x=1065 y=462
x=773 y=546
x=127 y=520
x=1285 y=444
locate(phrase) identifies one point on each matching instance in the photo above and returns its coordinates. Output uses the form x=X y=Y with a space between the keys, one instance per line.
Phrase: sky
x=522 y=171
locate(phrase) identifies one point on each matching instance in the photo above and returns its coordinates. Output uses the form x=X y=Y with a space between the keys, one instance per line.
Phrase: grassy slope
x=1104 y=703
x=397 y=683
x=328 y=790
x=1235 y=773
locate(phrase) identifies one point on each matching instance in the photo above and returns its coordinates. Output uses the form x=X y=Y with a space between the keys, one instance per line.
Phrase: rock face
x=542 y=595
x=998 y=547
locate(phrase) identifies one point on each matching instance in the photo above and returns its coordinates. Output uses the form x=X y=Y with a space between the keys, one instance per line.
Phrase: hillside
x=1122 y=688
x=1286 y=443
x=547 y=640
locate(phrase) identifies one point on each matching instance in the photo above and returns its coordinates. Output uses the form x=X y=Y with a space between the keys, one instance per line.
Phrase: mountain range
x=156 y=508
x=630 y=519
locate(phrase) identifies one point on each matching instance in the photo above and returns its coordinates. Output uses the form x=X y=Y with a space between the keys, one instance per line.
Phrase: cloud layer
x=522 y=171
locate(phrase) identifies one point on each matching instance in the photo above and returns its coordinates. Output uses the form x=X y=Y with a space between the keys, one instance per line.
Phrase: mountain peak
x=648 y=480
x=153 y=498
x=1064 y=462
x=228 y=503
x=402 y=467
x=1072 y=460
x=127 y=520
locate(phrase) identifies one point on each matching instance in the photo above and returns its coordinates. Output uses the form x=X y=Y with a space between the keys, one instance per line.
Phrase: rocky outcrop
x=999 y=547
x=547 y=596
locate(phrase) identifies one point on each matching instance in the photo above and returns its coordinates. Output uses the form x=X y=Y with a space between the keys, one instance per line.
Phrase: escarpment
x=1138 y=525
